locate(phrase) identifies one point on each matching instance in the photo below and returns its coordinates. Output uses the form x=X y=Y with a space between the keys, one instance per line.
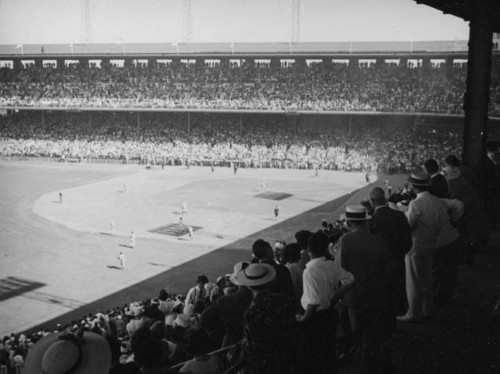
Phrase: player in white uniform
x=132 y=240
x=184 y=208
x=121 y=258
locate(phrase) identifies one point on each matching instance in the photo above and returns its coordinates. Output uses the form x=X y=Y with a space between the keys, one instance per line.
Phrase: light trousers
x=419 y=285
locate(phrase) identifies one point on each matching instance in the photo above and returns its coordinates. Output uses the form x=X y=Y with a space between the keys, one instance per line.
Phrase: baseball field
x=64 y=225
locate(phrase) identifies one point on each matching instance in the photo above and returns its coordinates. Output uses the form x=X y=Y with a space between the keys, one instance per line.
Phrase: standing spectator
x=199 y=292
x=290 y=257
x=447 y=256
x=439 y=185
x=393 y=226
x=302 y=238
x=263 y=252
x=269 y=342
x=317 y=327
x=368 y=258
x=473 y=222
x=427 y=216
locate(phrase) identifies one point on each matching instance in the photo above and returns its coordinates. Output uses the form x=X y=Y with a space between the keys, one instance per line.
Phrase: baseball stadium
x=143 y=182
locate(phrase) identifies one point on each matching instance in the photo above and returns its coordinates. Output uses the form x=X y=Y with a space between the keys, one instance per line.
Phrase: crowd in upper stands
x=338 y=87
x=266 y=142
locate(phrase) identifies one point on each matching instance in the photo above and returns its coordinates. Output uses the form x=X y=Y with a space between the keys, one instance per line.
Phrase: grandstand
x=125 y=132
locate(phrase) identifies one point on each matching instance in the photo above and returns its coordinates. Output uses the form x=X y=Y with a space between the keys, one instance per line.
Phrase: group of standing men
x=392 y=265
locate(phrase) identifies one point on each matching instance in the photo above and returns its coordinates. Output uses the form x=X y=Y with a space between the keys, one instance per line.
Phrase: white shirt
x=320 y=280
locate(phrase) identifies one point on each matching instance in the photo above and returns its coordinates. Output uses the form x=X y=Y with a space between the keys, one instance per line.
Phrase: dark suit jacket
x=439 y=186
x=393 y=226
x=283 y=282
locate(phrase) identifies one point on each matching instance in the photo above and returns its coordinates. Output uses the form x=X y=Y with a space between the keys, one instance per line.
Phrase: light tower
x=86 y=34
x=187 y=34
x=295 y=36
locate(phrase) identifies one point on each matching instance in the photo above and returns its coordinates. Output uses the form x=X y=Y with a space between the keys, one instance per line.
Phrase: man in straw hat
x=368 y=257
x=393 y=226
x=80 y=353
x=269 y=339
x=427 y=215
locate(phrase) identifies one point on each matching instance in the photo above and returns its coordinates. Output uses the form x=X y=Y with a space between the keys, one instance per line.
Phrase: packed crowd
x=297 y=307
x=386 y=88
x=220 y=141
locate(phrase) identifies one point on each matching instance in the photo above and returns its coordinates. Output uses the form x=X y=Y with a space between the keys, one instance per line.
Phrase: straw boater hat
x=83 y=353
x=355 y=213
x=256 y=275
x=420 y=178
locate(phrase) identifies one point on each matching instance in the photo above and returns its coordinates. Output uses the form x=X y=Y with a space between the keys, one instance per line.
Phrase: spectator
x=263 y=252
x=368 y=257
x=393 y=226
x=317 y=328
x=226 y=314
x=427 y=216
x=83 y=353
x=269 y=343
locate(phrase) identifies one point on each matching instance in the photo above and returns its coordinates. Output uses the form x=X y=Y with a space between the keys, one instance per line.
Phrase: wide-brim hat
x=239 y=266
x=256 y=275
x=420 y=178
x=53 y=355
x=355 y=213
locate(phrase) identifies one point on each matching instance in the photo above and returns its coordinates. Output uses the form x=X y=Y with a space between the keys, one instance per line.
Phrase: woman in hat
x=80 y=353
x=270 y=325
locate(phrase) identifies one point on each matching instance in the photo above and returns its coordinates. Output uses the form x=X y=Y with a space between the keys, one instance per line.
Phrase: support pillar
x=478 y=84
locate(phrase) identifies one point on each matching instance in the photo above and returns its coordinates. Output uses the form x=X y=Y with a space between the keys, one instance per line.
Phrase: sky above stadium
x=136 y=21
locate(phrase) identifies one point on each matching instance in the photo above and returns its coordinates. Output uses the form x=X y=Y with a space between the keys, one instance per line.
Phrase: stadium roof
x=463 y=9
x=117 y=50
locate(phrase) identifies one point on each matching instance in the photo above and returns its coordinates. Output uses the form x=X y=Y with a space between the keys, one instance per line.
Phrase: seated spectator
x=198 y=345
x=150 y=352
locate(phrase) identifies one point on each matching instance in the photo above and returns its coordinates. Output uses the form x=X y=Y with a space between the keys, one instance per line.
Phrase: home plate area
x=174 y=229
x=273 y=195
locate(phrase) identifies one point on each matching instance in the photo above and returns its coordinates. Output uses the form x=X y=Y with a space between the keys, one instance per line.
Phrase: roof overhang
x=464 y=8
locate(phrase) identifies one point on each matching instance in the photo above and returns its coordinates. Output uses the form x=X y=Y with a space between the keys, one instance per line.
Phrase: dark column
x=275 y=63
x=17 y=64
x=353 y=63
x=224 y=64
x=478 y=84
x=60 y=63
x=38 y=62
x=449 y=66
x=426 y=62
x=301 y=62
x=84 y=63
x=327 y=63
